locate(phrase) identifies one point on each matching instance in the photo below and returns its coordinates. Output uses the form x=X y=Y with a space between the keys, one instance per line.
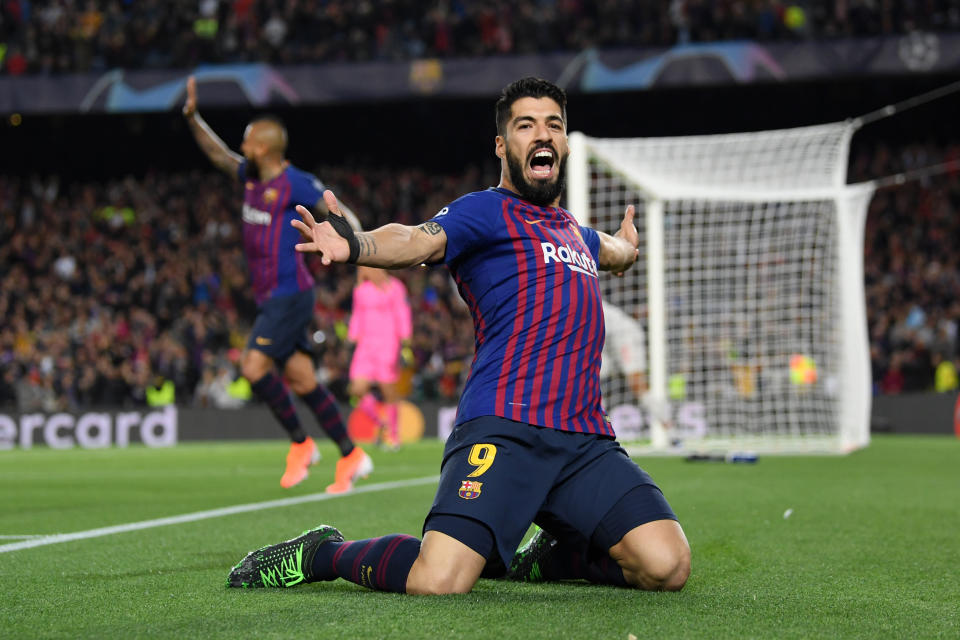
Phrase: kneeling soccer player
x=531 y=441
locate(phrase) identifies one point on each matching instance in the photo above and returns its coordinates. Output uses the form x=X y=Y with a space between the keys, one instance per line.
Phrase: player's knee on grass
x=445 y=565
x=654 y=556
x=438 y=580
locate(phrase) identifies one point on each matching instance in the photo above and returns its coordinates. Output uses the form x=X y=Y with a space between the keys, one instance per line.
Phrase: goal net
x=746 y=308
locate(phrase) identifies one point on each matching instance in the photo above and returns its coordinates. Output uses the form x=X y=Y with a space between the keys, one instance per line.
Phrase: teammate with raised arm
x=531 y=442
x=283 y=290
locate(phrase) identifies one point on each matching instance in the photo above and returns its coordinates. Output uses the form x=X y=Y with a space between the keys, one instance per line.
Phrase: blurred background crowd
x=108 y=287
x=59 y=36
x=912 y=269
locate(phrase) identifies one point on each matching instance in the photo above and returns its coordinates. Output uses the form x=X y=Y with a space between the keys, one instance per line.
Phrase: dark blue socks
x=272 y=390
x=324 y=406
x=377 y=563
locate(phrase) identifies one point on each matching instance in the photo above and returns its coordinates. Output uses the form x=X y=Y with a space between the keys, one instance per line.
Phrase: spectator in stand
x=912 y=274
x=52 y=36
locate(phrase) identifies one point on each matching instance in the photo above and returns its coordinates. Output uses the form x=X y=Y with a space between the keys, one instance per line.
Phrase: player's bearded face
x=542 y=192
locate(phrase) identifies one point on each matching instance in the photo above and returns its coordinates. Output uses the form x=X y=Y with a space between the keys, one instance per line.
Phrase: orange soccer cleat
x=301 y=456
x=350 y=467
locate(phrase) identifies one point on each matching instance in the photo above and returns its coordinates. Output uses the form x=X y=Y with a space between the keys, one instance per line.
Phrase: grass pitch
x=870 y=549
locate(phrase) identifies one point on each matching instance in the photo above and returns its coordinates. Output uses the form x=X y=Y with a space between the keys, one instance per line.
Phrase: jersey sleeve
x=306 y=189
x=592 y=240
x=242 y=170
x=464 y=224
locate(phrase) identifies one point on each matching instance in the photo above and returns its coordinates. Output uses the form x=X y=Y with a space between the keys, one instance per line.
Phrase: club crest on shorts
x=470 y=489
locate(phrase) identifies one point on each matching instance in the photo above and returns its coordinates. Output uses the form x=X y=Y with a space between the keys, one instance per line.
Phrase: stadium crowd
x=60 y=36
x=912 y=269
x=143 y=280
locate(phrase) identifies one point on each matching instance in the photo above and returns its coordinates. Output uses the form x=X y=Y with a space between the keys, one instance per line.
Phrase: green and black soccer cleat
x=527 y=561
x=285 y=564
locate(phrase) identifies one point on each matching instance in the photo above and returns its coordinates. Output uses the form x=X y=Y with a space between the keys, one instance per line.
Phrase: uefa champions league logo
x=919 y=51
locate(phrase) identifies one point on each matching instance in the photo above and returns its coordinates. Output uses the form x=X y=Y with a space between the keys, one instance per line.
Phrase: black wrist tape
x=341 y=226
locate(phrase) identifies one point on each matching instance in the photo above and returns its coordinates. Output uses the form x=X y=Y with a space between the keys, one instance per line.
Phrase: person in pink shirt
x=380 y=326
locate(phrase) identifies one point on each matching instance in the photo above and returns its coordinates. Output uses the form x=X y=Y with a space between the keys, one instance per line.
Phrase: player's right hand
x=190 y=105
x=321 y=237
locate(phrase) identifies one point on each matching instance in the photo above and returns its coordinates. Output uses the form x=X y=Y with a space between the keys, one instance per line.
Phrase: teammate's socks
x=324 y=406
x=272 y=390
x=574 y=561
x=377 y=563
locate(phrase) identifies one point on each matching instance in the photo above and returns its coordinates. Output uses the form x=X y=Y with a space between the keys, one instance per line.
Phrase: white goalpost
x=748 y=292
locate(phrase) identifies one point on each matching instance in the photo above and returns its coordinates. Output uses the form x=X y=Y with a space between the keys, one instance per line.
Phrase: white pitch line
x=22 y=536
x=205 y=515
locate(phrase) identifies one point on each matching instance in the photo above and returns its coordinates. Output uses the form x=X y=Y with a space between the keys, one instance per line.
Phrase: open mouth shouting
x=542 y=162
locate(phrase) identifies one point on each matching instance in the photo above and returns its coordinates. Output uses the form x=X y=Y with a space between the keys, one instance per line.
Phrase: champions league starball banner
x=591 y=71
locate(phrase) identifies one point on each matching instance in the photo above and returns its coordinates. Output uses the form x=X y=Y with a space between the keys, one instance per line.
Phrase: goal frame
x=850 y=202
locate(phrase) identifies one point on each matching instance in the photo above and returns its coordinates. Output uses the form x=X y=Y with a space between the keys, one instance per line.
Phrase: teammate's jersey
x=276 y=269
x=529 y=276
x=380 y=318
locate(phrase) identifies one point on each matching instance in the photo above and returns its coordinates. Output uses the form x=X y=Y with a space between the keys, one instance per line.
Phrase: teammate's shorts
x=375 y=364
x=507 y=474
x=281 y=326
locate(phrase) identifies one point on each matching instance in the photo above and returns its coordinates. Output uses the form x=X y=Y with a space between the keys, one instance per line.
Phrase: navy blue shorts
x=505 y=475
x=281 y=326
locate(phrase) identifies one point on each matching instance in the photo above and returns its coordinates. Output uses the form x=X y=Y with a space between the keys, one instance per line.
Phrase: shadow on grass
x=217 y=561
x=485 y=592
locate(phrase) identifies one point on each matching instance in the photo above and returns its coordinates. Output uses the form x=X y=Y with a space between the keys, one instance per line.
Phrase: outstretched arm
x=392 y=246
x=619 y=251
x=210 y=143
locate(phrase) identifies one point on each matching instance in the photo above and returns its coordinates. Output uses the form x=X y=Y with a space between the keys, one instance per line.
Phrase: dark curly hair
x=528 y=87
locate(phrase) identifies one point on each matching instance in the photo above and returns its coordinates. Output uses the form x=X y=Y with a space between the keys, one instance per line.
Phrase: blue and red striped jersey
x=529 y=276
x=276 y=268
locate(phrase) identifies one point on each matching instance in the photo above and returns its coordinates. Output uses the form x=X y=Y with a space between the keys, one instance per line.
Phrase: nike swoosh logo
x=532 y=221
x=264 y=341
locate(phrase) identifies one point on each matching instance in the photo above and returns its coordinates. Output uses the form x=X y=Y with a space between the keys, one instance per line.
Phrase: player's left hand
x=321 y=237
x=627 y=231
